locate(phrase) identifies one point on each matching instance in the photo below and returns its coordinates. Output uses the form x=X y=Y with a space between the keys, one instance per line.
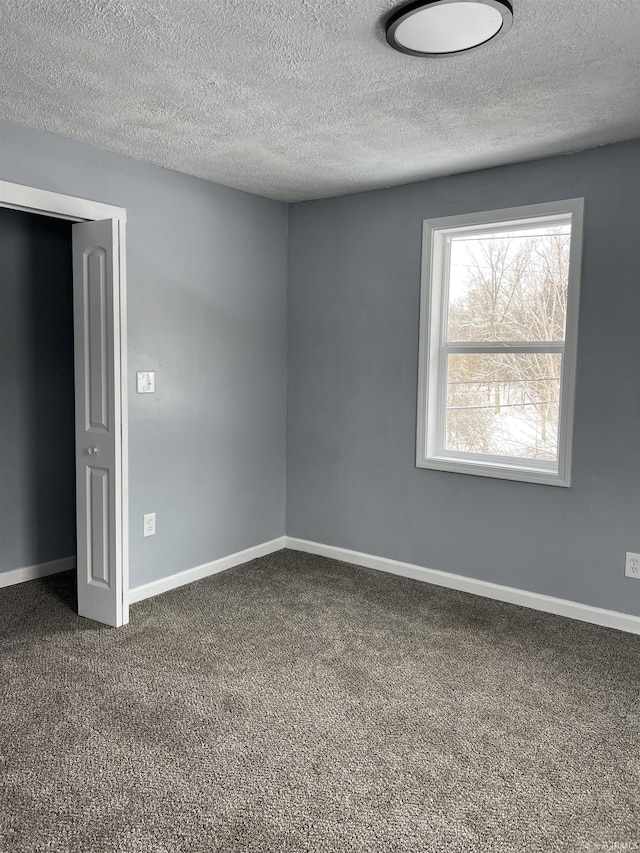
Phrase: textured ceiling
x=299 y=99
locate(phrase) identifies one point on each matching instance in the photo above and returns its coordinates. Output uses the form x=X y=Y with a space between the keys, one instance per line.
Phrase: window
x=498 y=337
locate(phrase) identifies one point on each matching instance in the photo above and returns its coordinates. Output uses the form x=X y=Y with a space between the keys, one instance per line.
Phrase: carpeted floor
x=300 y=704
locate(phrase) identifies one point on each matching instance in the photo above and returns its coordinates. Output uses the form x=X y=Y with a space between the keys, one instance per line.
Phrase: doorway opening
x=90 y=251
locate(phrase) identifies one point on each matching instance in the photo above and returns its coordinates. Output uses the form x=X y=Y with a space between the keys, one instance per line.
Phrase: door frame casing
x=46 y=203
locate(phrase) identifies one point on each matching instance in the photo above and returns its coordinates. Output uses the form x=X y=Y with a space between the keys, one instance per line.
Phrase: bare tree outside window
x=506 y=287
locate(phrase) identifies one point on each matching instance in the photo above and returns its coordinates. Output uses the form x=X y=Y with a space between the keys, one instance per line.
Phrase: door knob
x=93 y=451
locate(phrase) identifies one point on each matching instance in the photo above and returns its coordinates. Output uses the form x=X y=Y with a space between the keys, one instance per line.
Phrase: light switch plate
x=146 y=381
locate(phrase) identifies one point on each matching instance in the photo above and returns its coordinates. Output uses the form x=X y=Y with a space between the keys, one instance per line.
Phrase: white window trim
x=431 y=366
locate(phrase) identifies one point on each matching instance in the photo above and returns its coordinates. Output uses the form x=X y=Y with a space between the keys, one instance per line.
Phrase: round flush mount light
x=447 y=27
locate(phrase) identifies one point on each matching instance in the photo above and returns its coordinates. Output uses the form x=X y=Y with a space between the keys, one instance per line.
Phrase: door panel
x=98 y=421
x=97 y=359
x=98 y=569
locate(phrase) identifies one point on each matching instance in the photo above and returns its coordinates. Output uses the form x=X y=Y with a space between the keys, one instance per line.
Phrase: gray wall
x=206 y=279
x=354 y=283
x=207 y=300
x=37 y=459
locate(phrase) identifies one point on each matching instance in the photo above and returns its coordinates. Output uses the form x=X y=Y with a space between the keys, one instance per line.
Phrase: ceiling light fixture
x=447 y=27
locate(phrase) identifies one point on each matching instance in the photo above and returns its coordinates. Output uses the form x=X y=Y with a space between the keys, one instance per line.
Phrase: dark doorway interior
x=37 y=444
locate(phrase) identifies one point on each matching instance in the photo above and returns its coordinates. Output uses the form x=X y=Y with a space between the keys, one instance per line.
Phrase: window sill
x=495 y=471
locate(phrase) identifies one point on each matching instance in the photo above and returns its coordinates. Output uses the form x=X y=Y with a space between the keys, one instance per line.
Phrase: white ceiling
x=300 y=99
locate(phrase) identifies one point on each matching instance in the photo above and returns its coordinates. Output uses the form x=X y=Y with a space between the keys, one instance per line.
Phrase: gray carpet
x=300 y=704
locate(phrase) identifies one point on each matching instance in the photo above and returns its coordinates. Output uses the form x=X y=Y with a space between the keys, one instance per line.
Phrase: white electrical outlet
x=149 y=524
x=632 y=565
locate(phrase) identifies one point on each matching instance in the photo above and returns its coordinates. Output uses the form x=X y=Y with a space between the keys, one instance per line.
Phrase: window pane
x=509 y=286
x=504 y=404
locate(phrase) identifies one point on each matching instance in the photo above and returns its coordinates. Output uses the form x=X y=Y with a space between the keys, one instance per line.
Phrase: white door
x=96 y=308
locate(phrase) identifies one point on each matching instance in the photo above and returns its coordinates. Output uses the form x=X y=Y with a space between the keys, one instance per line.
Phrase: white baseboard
x=147 y=590
x=30 y=573
x=534 y=600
